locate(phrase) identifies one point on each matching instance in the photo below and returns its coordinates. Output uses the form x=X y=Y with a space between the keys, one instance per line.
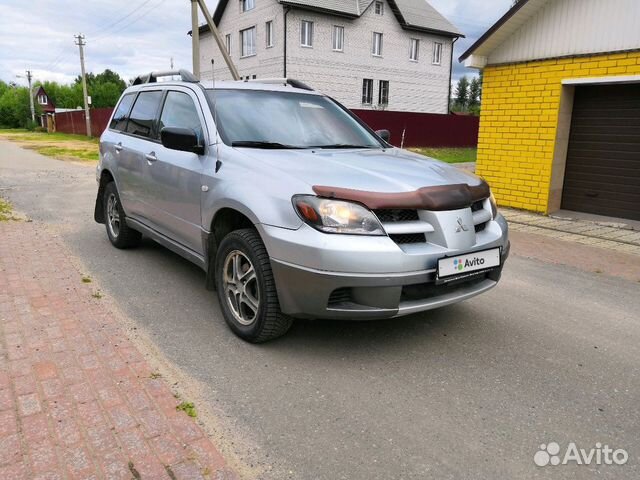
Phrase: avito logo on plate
x=549 y=454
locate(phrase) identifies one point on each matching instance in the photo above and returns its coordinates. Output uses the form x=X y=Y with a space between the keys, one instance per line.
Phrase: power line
x=113 y=24
x=128 y=24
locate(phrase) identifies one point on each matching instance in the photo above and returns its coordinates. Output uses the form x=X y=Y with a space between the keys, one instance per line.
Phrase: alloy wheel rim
x=113 y=215
x=241 y=288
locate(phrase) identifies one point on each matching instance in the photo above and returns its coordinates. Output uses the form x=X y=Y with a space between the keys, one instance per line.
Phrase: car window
x=180 y=111
x=287 y=118
x=143 y=116
x=119 y=120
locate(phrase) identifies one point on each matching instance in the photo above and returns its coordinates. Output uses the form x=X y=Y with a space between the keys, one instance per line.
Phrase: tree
x=104 y=88
x=15 y=111
x=462 y=94
x=475 y=93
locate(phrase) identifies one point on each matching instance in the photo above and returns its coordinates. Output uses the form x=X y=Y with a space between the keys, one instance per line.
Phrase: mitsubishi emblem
x=461 y=226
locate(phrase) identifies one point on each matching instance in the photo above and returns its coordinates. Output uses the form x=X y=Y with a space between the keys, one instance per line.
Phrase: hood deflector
x=436 y=198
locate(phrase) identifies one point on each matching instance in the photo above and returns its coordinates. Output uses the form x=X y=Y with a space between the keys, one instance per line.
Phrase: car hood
x=390 y=170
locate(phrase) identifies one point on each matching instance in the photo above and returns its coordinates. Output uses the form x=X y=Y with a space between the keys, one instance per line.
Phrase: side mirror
x=182 y=139
x=384 y=134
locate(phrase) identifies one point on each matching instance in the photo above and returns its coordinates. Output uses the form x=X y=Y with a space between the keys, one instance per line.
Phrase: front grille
x=475 y=207
x=340 y=295
x=479 y=205
x=405 y=238
x=396 y=215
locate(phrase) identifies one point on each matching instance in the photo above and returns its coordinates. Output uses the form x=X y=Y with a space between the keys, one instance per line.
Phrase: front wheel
x=246 y=288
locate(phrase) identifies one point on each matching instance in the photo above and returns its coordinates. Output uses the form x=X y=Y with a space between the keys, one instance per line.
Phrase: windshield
x=267 y=119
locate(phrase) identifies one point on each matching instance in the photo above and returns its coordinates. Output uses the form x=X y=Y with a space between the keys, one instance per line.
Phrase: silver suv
x=292 y=206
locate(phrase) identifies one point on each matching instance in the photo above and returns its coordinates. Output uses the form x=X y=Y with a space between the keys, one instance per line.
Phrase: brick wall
x=413 y=86
x=519 y=122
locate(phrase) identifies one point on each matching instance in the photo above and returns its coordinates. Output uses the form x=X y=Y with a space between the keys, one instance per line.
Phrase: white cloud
x=473 y=18
x=137 y=36
x=129 y=37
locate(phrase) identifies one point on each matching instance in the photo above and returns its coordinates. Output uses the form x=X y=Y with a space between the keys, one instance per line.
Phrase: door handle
x=118 y=147
x=151 y=157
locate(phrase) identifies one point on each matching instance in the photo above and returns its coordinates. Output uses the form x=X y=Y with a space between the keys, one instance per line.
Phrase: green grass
x=449 y=155
x=188 y=408
x=6 y=212
x=62 y=146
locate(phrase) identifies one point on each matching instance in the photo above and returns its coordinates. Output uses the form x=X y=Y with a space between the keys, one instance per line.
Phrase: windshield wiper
x=261 y=144
x=342 y=145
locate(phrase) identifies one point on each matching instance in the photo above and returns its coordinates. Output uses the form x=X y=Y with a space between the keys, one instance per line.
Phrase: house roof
x=412 y=14
x=509 y=23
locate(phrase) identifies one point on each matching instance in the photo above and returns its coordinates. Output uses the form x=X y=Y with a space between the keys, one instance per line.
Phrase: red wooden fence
x=424 y=129
x=420 y=129
x=74 y=122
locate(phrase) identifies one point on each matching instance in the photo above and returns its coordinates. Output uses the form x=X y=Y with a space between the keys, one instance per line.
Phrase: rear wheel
x=246 y=288
x=120 y=234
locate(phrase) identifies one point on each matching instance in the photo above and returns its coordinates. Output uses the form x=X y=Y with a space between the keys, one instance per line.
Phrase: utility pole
x=33 y=109
x=216 y=35
x=81 y=43
x=195 y=38
x=31 y=105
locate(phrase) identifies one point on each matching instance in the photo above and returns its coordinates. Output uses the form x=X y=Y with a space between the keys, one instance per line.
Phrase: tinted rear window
x=119 y=121
x=143 y=116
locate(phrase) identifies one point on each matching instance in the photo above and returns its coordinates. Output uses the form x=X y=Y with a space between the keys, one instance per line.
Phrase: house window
x=414 y=50
x=383 y=93
x=376 y=49
x=338 y=38
x=379 y=8
x=246 y=5
x=306 y=33
x=367 y=91
x=437 y=53
x=42 y=99
x=228 y=42
x=269 y=33
x=248 y=41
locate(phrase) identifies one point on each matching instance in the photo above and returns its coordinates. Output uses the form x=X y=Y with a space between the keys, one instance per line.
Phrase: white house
x=369 y=54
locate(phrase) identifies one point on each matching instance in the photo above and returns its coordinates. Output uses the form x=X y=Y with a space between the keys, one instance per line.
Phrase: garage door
x=603 y=161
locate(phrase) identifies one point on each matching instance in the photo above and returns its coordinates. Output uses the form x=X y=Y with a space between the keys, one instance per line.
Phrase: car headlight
x=337 y=216
x=494 y=206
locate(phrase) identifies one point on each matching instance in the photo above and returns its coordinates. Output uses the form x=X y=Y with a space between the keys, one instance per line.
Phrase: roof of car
x=227 y=85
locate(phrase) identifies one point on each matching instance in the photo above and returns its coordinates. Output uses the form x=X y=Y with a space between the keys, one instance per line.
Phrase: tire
x=237 y=299
x=120 y=234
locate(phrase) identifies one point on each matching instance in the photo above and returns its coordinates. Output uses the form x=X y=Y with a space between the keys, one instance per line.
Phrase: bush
x=31 y=125
x=41 y=129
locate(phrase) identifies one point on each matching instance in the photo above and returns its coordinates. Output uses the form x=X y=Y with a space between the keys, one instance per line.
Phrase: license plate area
x=465 y=266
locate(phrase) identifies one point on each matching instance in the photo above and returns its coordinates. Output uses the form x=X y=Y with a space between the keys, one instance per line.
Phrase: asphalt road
x=468 y=391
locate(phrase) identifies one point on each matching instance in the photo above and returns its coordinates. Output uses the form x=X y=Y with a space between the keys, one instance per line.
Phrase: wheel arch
x=225 y=221
x=106 y=177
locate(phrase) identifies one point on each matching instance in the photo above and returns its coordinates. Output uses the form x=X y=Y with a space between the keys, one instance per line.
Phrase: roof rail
x=282 y=81
x=185 y=76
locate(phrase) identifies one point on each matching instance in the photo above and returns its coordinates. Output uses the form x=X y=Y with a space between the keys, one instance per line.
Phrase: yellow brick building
x=560 y=106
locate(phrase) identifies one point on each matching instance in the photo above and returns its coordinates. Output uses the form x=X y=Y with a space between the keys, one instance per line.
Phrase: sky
x=137 y=36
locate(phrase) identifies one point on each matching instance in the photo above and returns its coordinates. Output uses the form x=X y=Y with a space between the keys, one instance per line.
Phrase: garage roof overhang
x=477 y=55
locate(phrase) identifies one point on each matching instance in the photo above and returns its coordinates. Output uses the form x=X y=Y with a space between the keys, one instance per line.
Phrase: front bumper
x=368 y=277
